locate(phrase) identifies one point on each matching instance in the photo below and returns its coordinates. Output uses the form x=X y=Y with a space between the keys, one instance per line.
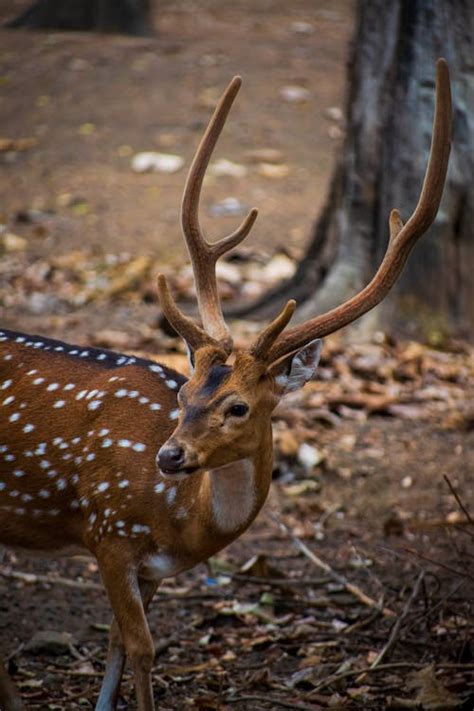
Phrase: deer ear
x=293 y=371
x=191 y=358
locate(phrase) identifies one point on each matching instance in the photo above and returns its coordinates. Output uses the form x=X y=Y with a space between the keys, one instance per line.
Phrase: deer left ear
x=191 y=358
x=293 y=371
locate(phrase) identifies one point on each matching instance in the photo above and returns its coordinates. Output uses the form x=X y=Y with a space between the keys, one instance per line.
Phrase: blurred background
x=80 y=108
x=102 y=104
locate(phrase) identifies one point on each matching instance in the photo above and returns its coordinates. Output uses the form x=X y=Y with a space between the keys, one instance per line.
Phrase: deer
x=147 y=470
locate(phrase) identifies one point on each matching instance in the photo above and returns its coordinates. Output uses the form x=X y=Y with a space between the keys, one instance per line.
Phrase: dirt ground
x=386 y=421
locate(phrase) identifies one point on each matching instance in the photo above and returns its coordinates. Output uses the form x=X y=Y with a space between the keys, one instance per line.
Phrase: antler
x=204 y=255
x=402 y=237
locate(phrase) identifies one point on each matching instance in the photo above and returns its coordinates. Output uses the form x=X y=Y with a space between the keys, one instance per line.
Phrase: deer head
x=225 y=408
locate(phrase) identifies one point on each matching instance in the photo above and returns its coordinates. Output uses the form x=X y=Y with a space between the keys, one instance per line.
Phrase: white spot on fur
x=140 y=528
x=158 y=566
x=155 y=368
x=94 y=404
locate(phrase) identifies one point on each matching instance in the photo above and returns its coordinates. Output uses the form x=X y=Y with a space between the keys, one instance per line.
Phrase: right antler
x=402 y=239
x=204 y=255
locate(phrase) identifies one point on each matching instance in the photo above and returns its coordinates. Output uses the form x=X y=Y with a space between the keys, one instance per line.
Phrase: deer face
x=225 y=410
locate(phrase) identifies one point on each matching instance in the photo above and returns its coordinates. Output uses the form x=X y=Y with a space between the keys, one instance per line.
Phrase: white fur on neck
x=233 y=494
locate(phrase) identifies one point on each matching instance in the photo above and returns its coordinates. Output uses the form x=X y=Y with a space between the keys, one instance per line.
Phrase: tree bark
x=389 y=110
x=122 y=16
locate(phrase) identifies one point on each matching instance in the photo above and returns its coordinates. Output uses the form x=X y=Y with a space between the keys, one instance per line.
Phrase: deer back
x=78 y=427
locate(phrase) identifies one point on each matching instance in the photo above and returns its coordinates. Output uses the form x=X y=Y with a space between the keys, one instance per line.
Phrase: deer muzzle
x=173 y=460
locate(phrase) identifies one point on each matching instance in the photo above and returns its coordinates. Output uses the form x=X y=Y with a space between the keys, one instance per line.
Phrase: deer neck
x=211 y=511
x=233 y=494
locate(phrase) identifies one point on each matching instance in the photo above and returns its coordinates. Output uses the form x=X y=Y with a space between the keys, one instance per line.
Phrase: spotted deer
x=149 y=471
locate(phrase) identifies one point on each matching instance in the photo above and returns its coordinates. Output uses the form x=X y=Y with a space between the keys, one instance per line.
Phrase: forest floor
x=373 y=459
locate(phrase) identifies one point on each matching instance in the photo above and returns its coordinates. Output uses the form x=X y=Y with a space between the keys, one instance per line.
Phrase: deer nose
x=171 y=458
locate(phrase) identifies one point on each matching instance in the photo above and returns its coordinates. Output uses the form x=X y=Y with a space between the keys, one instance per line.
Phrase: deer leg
x=121 y=583
x=9 y=697
x=110 y=688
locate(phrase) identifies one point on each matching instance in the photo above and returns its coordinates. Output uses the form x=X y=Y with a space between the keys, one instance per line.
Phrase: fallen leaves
x=152 y=161
x=8 y=145
x=10 y=242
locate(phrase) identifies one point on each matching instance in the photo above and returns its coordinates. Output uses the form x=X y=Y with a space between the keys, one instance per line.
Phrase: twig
x=460 y=503
x=276 y=582
x=32 y=578
x=75 y=672
x=459 y=573
x=162 y=646
x=350 y=587
x=362 y=672
x=397 y=626
x=274 y=702
x=427 y=613
x=360 y=624
x=15 y=653
x=456 y=665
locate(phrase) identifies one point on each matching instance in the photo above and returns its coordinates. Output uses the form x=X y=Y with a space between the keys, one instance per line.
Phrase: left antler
x=402 y=237
x=204 y=255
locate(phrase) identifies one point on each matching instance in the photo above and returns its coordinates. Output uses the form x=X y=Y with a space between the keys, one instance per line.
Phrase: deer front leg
x=121 y=582
x=110 y=688
x=9 y=697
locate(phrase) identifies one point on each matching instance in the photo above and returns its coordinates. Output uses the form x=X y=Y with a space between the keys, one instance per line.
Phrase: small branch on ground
x=33 y=578
x=397 y=626
x=271 y=700
x=350 y=587
x=450 y=569
x=333 y=678
x=459 y=502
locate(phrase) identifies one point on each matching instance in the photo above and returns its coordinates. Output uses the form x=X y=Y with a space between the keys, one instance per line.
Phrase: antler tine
x=402 y=237
x=204 y=255
x=194 y=336
x=269 y=335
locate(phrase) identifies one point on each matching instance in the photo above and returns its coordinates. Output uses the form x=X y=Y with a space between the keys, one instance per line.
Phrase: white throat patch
x=233 y=494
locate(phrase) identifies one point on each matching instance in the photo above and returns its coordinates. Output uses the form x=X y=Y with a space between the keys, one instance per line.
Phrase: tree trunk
x=124 y=16
x=389 y=115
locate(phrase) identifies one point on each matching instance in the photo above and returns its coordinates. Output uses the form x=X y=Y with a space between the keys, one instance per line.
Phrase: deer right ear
x=293 y=371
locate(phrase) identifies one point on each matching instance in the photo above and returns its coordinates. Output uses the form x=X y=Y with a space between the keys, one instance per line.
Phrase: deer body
x=77 y=449
x=151 y=472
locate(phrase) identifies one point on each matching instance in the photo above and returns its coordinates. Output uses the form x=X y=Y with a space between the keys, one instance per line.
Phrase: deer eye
x=238 y=410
